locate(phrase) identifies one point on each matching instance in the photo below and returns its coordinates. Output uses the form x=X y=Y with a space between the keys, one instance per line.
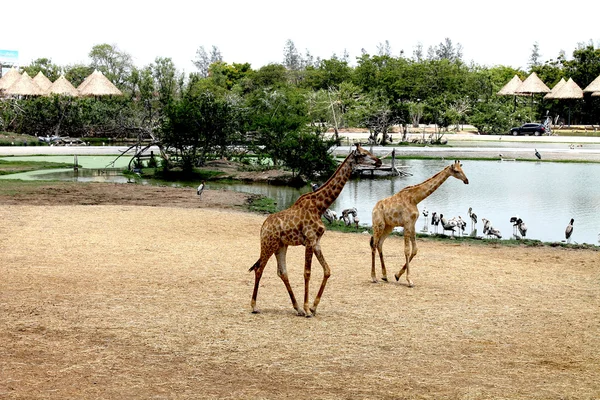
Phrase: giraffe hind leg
x=282 y=273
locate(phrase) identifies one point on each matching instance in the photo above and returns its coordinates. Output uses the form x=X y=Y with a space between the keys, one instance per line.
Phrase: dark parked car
x=529 y=129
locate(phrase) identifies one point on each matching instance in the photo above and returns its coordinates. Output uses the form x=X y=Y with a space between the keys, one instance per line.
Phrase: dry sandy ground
x=124 y=302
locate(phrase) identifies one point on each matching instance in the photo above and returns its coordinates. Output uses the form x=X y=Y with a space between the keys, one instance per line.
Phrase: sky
x=490 y=33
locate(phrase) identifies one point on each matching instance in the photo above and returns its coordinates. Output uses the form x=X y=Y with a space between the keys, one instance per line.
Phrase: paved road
x=578 y=148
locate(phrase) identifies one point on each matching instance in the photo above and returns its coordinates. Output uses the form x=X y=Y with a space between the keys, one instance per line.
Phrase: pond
x=545 y=195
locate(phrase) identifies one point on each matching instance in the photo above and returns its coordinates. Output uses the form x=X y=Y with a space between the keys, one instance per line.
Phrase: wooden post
x=75 y=166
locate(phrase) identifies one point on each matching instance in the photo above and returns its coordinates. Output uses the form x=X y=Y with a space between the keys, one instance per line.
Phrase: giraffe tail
x=255 y=266
x=371 y=243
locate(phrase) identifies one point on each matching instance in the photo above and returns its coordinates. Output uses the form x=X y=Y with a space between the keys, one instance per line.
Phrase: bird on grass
x=569 y=231
x=473 y=217
x=522 y=227
x=201 y=188
x=537 y=154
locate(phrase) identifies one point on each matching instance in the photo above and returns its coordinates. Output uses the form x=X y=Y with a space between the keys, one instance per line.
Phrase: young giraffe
x=400 y=209
x=301 y=225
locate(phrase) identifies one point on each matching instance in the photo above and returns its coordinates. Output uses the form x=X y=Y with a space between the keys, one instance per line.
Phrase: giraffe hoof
x=384 y=278
x=374 y=280
x=410 y=284
x=301 y=313
x=256 y=311
x=397 y=277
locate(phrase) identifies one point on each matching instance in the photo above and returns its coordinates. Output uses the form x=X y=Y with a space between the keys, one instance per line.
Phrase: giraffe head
x=364 y=157
x=457 y=172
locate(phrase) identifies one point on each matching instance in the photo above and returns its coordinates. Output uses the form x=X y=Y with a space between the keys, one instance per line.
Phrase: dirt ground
x=106 y=295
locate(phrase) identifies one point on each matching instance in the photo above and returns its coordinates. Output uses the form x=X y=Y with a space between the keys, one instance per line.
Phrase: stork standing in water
x=201 y=188
x=569 y=231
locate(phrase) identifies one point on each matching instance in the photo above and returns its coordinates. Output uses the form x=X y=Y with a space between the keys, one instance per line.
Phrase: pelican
x=537 y=154
x=569 y=231
x=425 y=214
x=201 y=188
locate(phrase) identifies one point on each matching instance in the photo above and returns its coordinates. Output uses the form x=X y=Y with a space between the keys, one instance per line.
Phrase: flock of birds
x=454 y=224
x=458 y=225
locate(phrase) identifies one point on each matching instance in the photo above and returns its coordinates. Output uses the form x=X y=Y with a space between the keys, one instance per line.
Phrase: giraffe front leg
x=308 y=255
x=407 y=256
x=326 y=275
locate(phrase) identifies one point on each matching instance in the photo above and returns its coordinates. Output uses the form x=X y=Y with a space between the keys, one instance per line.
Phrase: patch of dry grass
x=154 y=302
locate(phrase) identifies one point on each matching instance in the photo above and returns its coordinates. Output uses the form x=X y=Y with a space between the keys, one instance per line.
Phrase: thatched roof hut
x=62 y=86
x=533 y=84
x=510 y=87
x=25 y=86
x=594 y=86
x=555 y=88
x=42 y=81
x=9 y=78
x=570 y=90
x=98 y=85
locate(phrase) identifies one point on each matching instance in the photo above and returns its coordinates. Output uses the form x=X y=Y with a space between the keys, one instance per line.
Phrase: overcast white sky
x=491 y=33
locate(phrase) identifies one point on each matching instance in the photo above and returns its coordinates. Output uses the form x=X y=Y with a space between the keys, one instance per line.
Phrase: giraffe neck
x=322 y=198
x=423 y=190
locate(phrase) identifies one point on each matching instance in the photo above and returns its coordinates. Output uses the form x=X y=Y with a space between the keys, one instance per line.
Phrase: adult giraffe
x=301 y=224
x=400 y=209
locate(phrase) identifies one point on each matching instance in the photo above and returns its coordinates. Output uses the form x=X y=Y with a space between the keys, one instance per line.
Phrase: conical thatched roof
x=532 y=84
x=594 y=86
x=511 y=86
x=25 y=86
x=569 y=90
x=42 y=81
x=555 y=88
x=98 y=85
x=86 y=80
x=62 y=86
x=9 y=78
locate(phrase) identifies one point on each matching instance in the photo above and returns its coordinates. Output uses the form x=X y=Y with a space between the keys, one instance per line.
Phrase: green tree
x=44 y=65
x=115 y=64
x=197 y=125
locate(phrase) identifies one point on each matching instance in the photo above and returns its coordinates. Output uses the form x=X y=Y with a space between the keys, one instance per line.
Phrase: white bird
x=569 y=231
x=330 y=215
x=435 y=221
x=448 y=225
x=200 y=188
x=462 y=225
x=486 y=225
x=522 y=227
x=514 y=221
x=494 y=232
x=346 y=215
x=473 y=217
